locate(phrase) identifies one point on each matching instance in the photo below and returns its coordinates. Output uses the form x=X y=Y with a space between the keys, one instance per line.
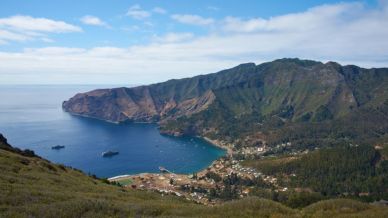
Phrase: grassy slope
x=31 y=186
x=343 y=208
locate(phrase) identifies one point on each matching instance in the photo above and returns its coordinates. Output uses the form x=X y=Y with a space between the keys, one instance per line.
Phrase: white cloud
x=174 y=37
x=349 y=33
x=53 y=51
x=27 y=23
x=159 y=10
x=313 y=19
x=235 y=24
x=6 y=35
x=23 y=28
x=192 y=19
x=93 y=20
x=137 y=12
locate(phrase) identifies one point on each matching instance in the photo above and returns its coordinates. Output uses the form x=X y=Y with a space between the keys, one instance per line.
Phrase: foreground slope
x=276 y=98
x=33 y=187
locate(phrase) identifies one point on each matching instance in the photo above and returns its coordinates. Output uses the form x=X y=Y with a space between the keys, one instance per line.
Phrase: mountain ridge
x=284 y=90
x=152 y=105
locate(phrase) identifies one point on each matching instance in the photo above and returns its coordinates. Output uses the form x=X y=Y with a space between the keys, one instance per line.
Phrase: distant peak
x=333 y=63
x=301 y=62
x=245 y=65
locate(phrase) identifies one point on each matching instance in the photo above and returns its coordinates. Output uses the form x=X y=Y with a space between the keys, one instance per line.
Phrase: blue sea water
x=31 y=117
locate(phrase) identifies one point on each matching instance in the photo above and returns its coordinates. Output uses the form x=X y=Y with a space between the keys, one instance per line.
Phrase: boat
x=163 y=170
x=109 y=153
x=57 y=147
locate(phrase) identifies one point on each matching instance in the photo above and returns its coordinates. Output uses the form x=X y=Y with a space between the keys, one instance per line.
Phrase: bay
x=31 y=117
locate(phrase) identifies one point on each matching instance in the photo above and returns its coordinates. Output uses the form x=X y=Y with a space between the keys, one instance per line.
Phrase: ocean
x=31 y=117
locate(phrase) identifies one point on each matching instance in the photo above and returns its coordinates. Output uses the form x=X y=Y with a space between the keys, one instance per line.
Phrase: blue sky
x=141 y=42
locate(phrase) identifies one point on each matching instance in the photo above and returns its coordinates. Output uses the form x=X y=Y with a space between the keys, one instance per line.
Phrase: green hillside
x=357 y=171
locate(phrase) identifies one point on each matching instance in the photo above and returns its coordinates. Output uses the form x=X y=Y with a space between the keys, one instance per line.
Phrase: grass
x=125 y=182
x=344 y=208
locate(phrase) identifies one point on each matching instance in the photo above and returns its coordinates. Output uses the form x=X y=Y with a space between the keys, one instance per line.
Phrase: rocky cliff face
x=134 y=104
x=115 y=105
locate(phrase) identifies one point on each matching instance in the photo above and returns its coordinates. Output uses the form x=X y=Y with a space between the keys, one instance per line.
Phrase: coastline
x=218 y=144
x=108 y=121
x=90 y=117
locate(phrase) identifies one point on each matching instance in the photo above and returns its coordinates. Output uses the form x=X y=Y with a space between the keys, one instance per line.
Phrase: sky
x=148 y=41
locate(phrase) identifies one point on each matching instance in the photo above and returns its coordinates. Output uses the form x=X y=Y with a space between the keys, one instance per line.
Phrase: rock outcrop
x=3 y=141
x=5 y=146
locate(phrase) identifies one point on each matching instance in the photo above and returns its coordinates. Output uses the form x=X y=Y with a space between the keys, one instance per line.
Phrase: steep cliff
x=134 y=104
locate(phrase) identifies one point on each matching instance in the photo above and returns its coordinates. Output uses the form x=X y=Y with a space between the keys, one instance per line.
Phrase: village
x=207 y=186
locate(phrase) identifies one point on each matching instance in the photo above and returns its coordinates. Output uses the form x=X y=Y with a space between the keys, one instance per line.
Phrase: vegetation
x=352 y=170
x=342 y=208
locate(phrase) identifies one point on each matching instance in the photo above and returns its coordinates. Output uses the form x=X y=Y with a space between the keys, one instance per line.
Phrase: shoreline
x=218 y=144
x=108 y=121
x=89 y=117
